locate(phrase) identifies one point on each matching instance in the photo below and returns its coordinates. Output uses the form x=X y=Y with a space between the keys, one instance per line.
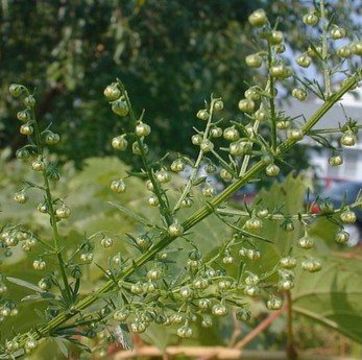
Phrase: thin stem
x=224 y=164
x=226 y=211
x=194 y=219
x=271 y=100
x=196 y=166
x=326 y=71
x=49 y=200
x=328 y=131
x=164 y=209
x=291 y=352
x=247 y=158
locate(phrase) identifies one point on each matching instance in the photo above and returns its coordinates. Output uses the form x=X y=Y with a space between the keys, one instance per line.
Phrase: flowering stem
x=194 y=219
x=164 y=210
x=196 y=166
x=53 y=221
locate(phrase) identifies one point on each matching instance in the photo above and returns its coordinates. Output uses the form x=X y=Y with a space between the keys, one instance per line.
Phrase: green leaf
x=332 y=296
x=24 y=283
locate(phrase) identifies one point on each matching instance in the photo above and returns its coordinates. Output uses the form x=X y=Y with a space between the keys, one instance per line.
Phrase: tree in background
x=171 y=54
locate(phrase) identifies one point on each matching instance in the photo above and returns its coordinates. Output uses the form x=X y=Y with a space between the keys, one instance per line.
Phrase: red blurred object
x=315 y=209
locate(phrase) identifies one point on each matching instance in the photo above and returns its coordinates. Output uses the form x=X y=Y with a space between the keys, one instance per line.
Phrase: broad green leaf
x=333 y=296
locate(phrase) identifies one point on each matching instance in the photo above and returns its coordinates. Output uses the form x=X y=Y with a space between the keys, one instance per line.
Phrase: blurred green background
x=171 y=55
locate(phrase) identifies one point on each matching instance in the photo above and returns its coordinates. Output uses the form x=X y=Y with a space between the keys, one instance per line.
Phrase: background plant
x=142 y=287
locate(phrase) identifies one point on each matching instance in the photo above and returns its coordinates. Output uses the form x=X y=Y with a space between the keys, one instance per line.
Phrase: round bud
x=106 y=242
x=44 y=284
x=260 y=114
x=22 y=154
x=138 y=327
x=186 y=292
x=335 y=160
x=299 y=94
x=246 y=105
x=204 y=304
x=348 y=217
x=253 y=224
x=342 y=237
x=175 y=229
x=24 y=115
x=357 y=48
x=225 y=175
x=338 y=32
x=30 y=345
x=163 y=176
x=243 y=315
x=153 y=200
x=63 y=212
x=118 y=186
x=252 y=94
x=272 y=170
x=112 y=92
x=344 y=51
x=206 y=145
x=21 y=197
x=295 y=134
x=219 y=310
x=121 y=315
x=253 y=254
x=304 y=60
x=16 y=90
x=348 y=139
x=286 y=284
x=216 y=132
x=254 y=60
x=231 y=134
x=278 y=71
x=228 y=259
x=202 y=114
x=137 y=149
x=120 y=107
x=283 y=124
x=42 y=207
x=38 y=165
x=263 y=213
x=252 y=279
x=306 y=242
x=235 y=148
x=51 y=138
x=142 y=129
x=186 y=203
x=258 y=18
x=184 y=332
x=274 y=303
x=120 y=143
x=218 y=105
x=149 y=185
x=30 y=101
x=196 y=139
x=208 y=191
x=276 y=37
x=251 y=290
x=206 y=322
x=288 y=262
x=311 y=19
x=177 y=166
x=154 y=274
x=311 y=265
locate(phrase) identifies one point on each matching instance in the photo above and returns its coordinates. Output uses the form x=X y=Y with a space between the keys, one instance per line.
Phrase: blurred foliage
x=171 y=54
x=330 y=297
